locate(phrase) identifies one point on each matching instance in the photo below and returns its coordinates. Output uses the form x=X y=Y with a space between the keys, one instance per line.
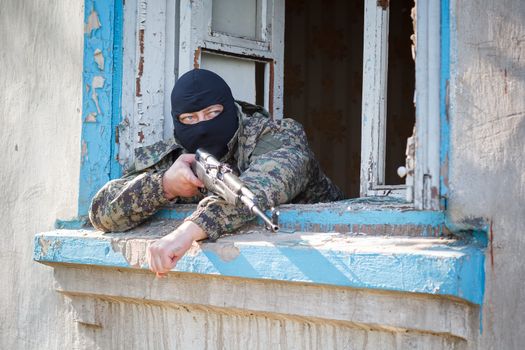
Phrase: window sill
x=429 y=265
x=387 y=216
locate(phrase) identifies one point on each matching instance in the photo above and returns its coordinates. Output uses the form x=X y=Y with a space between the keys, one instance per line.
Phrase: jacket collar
x=232 y=144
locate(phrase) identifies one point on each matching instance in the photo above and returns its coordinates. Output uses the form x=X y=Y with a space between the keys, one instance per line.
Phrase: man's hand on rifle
x=179 y=180
x=163 y=254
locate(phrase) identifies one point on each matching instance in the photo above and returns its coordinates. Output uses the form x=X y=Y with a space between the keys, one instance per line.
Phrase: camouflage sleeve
x=124 y=203
x=277 y=172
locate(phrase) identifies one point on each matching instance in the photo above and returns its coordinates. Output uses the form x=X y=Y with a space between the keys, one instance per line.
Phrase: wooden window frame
x=172 y=36
x=196 y=35
x=423 y=186
x=181 y=50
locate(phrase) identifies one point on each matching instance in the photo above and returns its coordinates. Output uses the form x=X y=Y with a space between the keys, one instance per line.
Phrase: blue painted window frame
x=101 y=107
x=101 y=114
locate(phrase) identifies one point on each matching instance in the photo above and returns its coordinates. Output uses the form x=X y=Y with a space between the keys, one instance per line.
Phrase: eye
x=187 y=119
x=214 y=113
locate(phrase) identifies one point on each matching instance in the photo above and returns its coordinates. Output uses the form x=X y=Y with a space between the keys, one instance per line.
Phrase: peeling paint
x=434 y=193
x=134 y=251
x=101 y=95
x=91 y=118
x=93 y=23
x=383 y=4
x=97 y=83
x=196 y=58
x=140 y=69
x=99 y=59
x=360 y=216
x=444 y=181
x=44 y=243
x=84 y=151
x=225 y=251
x=47 y=247
x=445 y=59
x=421 y=265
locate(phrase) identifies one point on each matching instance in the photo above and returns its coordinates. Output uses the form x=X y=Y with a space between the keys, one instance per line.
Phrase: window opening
x=401 y=111
x=339 y=80
x=323 y=57
x=323 y=85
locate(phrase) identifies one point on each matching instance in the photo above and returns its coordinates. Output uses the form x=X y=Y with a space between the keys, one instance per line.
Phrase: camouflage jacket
x=271 y=156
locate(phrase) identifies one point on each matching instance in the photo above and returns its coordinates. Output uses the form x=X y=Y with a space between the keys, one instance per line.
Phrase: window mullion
x=375 y=67
x=147 y=61
x=426 y=172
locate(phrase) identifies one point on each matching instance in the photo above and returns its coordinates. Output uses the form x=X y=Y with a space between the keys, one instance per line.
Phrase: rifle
x=219 y=178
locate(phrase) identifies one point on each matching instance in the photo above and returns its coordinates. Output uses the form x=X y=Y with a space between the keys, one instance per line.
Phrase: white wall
x=487 y=167
x=40 y=107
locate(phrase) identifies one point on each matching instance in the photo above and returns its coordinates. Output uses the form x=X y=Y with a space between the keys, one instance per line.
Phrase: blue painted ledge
x=360 y=215
x=407 y=264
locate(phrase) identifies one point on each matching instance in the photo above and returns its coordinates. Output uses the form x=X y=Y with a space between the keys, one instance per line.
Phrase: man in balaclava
x=273 y=159
x=204 y=116
x=196 y=91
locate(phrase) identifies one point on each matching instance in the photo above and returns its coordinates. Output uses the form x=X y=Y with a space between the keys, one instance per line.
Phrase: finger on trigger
x=187 y=158
x=194 y=180
x=197 y=182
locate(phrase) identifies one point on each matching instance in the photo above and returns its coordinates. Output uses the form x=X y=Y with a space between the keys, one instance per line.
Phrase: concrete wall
x=487 y=166
x=40 y=107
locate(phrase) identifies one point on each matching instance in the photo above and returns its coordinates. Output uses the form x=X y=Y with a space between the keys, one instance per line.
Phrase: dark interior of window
x=323 y=84
x=401 y=112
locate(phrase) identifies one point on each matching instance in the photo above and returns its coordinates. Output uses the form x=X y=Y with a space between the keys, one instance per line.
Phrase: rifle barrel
x=268 y=222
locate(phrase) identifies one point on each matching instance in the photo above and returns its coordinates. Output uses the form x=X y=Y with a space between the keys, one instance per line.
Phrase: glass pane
x=237 y=72
x=236 y=17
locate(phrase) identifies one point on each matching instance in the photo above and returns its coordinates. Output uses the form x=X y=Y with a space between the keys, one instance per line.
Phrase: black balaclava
x=194 y=91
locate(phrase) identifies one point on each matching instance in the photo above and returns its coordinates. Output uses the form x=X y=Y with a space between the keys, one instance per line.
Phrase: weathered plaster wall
x=188 y=327
x=192 y=311
x=487 y=164
x=40 y=106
